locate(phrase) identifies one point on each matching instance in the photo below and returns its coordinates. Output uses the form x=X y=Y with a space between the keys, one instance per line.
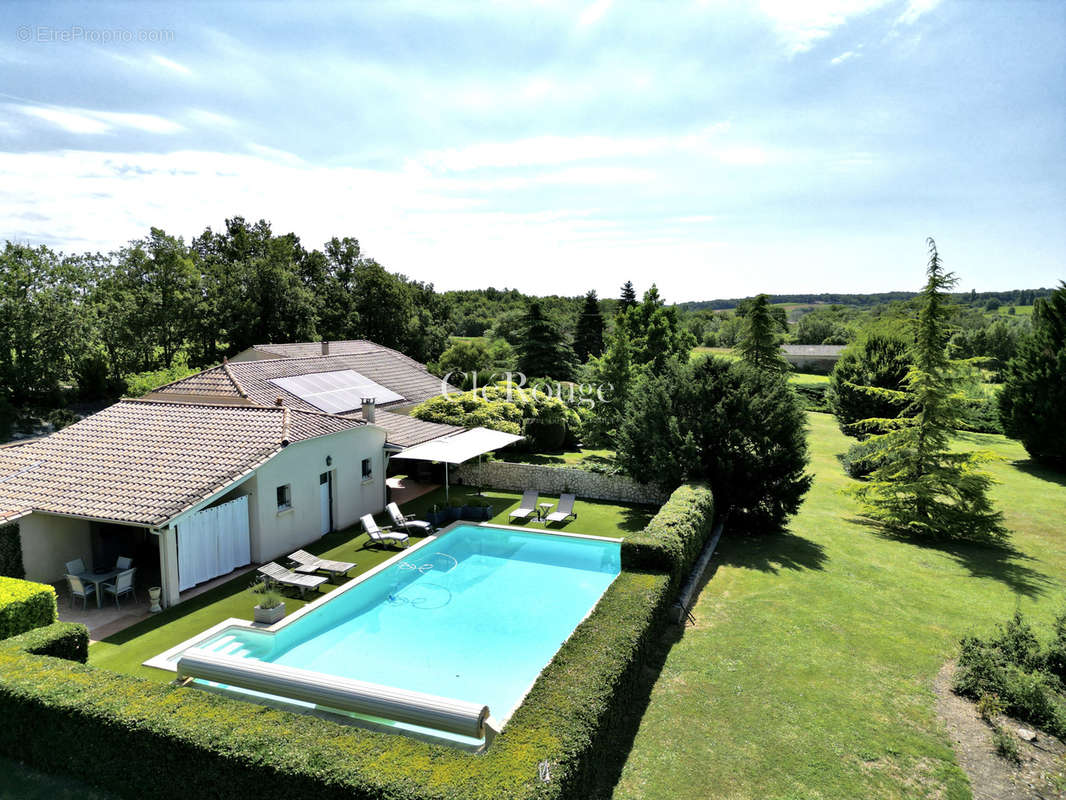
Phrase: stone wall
x=514 y=477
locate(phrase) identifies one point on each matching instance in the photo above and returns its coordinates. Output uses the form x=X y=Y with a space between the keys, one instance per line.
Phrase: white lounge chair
x=382 y=536
x=528 y=506
x=564 y=510
x=123 y=584
x=408 y=523
x=286 y=577
x=308 y=563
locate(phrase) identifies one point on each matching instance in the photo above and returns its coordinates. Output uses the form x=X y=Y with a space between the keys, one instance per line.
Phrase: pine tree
x=629 y=298
x=588 y=336
x=543 y=351
x=921 y=487
x=1033 y=399
x=759 y=341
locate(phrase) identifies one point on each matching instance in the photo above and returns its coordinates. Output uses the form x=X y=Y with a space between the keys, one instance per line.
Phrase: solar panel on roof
x=336 y=392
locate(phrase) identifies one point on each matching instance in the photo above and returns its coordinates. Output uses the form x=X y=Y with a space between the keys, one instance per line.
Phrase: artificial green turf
x=126 y=650
x=809 y=672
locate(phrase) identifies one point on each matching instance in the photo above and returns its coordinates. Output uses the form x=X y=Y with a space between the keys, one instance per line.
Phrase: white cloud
x=593 y=13
x=93 y=123
x=174 y=66
x=915 y=9
x=801 y=24
x=843 y=57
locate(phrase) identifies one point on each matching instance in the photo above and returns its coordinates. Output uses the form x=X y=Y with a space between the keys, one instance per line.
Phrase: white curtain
x=213 y=542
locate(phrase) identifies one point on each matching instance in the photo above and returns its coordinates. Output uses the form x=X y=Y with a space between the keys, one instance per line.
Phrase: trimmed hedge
x=25 y=605
x=147 y=739
x=675 y=536
x=11 y=552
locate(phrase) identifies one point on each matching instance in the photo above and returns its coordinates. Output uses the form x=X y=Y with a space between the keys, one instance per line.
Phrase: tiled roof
x=824 y=350
x=337 y=348
x=407 y=431
x=145 y=462
x=380 y=364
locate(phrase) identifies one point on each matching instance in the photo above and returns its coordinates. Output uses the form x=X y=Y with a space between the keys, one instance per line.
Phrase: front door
x=323 y=488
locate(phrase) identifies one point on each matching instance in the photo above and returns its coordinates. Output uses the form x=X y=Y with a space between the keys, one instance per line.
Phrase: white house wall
x=277 y=533
x=48 y=542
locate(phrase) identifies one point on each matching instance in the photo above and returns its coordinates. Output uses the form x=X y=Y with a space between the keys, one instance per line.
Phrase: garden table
x=98 y=579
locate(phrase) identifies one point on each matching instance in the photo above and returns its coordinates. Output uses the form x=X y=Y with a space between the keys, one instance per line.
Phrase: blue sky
x=719 y=149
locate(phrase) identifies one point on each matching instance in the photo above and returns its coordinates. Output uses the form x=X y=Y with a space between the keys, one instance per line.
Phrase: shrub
x=990 y=706
x=25 y=605
x=1006 y=745
x=11 y=552
x=1011 y=665
x=675 y=536
x=861 y=459
x=814 y=396
x=868 y=380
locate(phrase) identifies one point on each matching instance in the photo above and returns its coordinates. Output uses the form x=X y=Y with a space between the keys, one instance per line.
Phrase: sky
x=718 y=149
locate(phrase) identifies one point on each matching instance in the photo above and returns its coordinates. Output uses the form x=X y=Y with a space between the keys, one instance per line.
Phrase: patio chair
x=286 y=577
x=421 y=527
x=122 y=562
x=307 y=563
x=382 y=536
x=123 y=584
x=527 y=507
x=76 y=567
x=564 y=510
x=78 y=588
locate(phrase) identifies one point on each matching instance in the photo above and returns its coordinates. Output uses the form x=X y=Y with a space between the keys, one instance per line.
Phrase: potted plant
x=477 y=508
x=270 y=608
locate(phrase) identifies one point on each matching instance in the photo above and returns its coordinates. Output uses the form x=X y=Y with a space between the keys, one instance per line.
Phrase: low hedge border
x=25 y=605
x=675 y=536
x=150 y=739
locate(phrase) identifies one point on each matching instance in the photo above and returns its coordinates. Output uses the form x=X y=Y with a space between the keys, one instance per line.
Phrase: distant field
x=1003 y=311
x=455 y=339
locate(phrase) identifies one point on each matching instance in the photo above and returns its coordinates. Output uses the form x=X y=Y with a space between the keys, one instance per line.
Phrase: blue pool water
x=474 y=615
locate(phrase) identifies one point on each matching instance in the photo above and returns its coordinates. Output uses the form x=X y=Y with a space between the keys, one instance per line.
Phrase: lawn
x=126 y=650
x=571 y=457
x=809 y=671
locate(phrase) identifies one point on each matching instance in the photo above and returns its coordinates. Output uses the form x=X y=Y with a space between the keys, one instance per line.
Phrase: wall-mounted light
x=329 y=461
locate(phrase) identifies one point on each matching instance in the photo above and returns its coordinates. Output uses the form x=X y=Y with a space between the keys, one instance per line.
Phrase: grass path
x=809 y=673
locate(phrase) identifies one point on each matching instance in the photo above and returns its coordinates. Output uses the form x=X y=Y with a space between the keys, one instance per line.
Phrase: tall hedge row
x=11 y=552
x=25 y=605
x=673 y=539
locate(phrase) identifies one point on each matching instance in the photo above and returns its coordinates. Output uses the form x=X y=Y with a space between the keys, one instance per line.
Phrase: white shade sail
x=459 y=447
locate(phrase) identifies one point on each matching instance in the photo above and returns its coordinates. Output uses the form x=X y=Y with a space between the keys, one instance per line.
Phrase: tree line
x=87 y=323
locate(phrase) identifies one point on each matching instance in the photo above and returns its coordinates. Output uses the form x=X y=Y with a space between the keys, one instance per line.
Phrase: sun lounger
x=528 y=506
x=382 y=536
x=565 y=509
x=408 y=523
x=286 y=577
x=307 y=563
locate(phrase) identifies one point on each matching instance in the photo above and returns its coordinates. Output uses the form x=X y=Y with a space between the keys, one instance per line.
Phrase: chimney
x=325 y=347
x=368 y=409
x=278 y=401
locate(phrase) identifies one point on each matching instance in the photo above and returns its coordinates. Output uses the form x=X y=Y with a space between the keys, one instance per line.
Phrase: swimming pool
x=473 y=614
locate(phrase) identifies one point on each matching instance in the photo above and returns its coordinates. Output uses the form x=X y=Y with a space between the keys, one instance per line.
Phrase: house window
x=368 y=470
x=284 y=497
